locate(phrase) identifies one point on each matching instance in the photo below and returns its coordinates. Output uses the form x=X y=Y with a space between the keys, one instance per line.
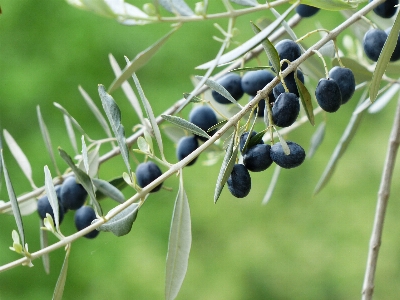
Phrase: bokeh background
x=298 y=246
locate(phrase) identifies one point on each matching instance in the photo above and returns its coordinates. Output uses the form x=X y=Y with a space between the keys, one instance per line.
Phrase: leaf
x=249 y=44
x=306 y=100
x=59 y=289
x=269 y=48
x=178 y=7
x=226 y=167
x=287 y=27
x=25 y=208
x=284 y=145
x=108 y=190
x=218 y=88
x=194 y=99
x=328 y=49
x=150 y=115
x=96 y=112
x=250 y=69
x=361 y=73
x=316 y=139
x=139 y=61
x=180 y=240
x=19 y=156
x=83 y=179
x=384 y=99
x=93 y=160
x=174 y=133
x=52 y=196
x=43 y=244
x=121 y=224
x=340 y=148
x=272 y=185
x=246 y=2
x=126 y=87
x=46 y=138
x=85 y=155
x=71 y=133
x=13 y=200
x=384 y=59
x=333 y=5
x=118 y=183
x=114 y=117
x=72 y=119
x=182 y=123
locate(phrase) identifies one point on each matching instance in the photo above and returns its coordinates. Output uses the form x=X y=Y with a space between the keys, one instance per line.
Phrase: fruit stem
x=323 y=61
x=337 y=53
x=270 y=121
x=311 y=32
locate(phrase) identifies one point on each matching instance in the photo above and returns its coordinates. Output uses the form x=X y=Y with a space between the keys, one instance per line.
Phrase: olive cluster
x=258 y=157
x=71 y=196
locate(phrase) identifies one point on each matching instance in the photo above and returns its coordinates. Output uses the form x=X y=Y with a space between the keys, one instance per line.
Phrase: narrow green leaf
x=25 y=208
x=250 y=69
x=284 y=145
x=46 y=138
x=249 y=44
x=149 y=140
x=127 y=89
x=85 y=158
x=219 y=89
x=93 y=161
x=52 y=196
x=72 y=119
x=269 y=48
x=71 y=133
x=272 y=185
x=246 y=2
x=114 y=117
x=180 y=240
x=194 y=99
x=254 y=140
x=286 y=26
x=218 y=125
x=139 y=61
x=43 y=244
x=83 y=179
x=174 y=133
x=119 y=183
x=96 y=112
x=122 y=223
x=108 y=190
x=340 y=148
x=19 y=156
x=226 y=167
x=13 y=200
x=59 y=289
x=384 y=99
x=182 y=123
x=306 y=100
x=333 y=5
x=150 y=115
x=361 y=73
x=316 y=139
x=178 y=7
x=142 y=144
x=384 y=59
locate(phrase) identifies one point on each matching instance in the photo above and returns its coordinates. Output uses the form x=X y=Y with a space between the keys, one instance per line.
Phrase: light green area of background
x=296 y=247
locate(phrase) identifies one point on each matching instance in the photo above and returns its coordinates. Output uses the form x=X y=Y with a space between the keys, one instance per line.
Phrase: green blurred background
x=296 y=247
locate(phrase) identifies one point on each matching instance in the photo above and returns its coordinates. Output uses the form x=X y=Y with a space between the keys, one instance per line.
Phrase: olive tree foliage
x=377 y=82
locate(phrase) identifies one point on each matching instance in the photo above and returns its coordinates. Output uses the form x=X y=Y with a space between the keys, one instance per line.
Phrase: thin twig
x=383 y=197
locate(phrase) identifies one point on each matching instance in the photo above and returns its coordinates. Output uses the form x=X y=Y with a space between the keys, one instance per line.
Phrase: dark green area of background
x=296 y=247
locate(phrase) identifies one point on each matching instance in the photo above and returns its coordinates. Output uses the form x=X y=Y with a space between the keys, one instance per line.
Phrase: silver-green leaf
x=114 y=117
x=13 y=200
x=108 y=190
x=121 y=224
x=180 y=240
x=19 y=156
x=178 y=7
x=182 y=123
x=59 y=289
x=52 y=196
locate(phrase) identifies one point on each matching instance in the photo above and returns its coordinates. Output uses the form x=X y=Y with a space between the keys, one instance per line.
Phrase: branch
x=383 y=197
